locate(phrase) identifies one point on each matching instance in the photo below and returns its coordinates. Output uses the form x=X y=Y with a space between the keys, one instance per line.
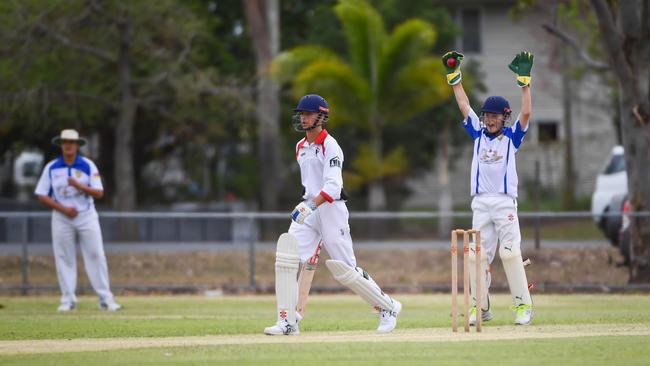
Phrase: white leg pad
x=287 y=262
x=484 y=276
x=360 y=282
x=513 y=266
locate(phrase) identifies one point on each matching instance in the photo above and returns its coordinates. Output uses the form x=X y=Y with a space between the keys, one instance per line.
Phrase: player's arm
x=522 y=66
x=526 y=107
x=452 y=61
x=51 y=203
x=96 y=193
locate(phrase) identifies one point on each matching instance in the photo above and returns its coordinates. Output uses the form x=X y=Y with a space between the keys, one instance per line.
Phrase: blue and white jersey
x=493 y=165
x=54 y=182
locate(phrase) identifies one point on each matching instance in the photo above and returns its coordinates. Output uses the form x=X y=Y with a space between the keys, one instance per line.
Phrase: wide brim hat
x=71 y=135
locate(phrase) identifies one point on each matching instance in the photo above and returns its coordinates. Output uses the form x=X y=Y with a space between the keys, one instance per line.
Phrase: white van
x=611 y=182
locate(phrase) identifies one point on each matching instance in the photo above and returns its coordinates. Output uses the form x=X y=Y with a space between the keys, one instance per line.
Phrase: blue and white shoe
x=388 y=318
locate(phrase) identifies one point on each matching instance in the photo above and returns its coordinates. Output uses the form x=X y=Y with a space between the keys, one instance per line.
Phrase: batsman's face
x=493 y=122
x=307 y=119
x=69 y=147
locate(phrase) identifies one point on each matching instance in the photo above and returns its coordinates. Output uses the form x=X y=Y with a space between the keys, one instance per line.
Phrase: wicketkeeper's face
x=493 y=122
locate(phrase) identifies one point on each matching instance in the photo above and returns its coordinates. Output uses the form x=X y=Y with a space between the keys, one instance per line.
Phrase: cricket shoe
x=388 y=318
x=282 y=327
x=65 y=307
x=524 y=314
x=486 y=315
x=110 y=306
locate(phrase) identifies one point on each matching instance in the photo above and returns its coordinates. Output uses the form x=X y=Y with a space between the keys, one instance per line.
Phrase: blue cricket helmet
x=311 y=103
x=497 y=105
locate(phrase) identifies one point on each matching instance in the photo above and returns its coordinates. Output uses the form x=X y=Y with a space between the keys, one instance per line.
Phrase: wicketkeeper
x=321 y=216
x=494 y=182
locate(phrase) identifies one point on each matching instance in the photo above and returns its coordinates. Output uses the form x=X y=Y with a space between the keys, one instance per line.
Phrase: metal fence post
x=25 y=260
x=251 y=254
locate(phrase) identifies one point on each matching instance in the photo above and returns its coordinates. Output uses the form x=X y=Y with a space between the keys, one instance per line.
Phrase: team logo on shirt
x=77 y=173
x=335 y=162
x=490 y=156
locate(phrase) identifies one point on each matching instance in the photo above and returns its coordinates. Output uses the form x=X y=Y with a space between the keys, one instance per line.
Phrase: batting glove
x=521 y=65
x=302 y=211
x=451 y=61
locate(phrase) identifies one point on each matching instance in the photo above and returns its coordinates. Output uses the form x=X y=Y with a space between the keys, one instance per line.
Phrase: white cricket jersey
x=54 y=182
x=493 y=165
x=321 y=163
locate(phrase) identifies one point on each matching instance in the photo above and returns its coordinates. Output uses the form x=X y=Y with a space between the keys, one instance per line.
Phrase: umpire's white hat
x=69 y=134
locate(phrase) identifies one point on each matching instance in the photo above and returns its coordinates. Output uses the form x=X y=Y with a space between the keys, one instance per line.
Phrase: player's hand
x=73 y=182
x=451 y=61
x=521 y=65
x=71 y=212
x=302 y=211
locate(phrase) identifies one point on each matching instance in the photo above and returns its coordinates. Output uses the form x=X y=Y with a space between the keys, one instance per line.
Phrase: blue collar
x=492 y=136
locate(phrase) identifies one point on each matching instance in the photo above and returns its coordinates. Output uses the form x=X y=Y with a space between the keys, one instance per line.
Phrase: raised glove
x=521 y=65
x=451 y=61
x=302 y=211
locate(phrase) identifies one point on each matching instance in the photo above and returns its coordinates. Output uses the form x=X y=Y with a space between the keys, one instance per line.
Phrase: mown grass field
x=338 y=330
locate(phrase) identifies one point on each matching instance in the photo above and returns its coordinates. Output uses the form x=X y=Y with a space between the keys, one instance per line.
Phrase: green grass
x=36 y=318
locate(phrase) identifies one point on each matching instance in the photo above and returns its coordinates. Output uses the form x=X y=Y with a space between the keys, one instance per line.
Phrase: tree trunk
x=264 y=21
x=628 y=46
x=376 y=191
x=125 y=181
x=125 y=194
x=569 y=171
x=445 y=201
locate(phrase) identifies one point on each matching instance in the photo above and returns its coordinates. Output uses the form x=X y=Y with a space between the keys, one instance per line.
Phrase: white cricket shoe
x=524 y=314
x=486 y=315
x=282 y=327
x=110 y=306
x=65 y=307
x=388 y=318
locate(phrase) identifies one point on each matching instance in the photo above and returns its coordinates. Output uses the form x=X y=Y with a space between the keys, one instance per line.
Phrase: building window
x=547 y=131
x=470 y=21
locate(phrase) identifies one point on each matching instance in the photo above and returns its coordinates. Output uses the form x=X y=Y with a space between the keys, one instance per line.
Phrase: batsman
x=494 y=182
x=320 y=220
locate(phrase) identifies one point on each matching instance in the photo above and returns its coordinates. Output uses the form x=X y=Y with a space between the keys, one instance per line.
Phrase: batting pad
x=513 y=266
x=485 y=276
x=287 y=262
x=360 y=283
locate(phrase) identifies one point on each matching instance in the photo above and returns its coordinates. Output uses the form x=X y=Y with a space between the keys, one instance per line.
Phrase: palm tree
x=385 y=78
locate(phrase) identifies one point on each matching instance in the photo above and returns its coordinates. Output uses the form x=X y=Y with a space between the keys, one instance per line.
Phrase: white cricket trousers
x=495 y=215
x=328 y=223
x=86 y=224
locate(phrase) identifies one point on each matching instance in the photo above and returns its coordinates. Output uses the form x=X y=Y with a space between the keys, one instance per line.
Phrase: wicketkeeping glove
x=451 y=61
x=302 y=211
x=521 y=65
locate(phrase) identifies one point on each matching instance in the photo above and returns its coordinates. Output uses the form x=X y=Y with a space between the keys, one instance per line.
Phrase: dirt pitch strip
x=405 y=335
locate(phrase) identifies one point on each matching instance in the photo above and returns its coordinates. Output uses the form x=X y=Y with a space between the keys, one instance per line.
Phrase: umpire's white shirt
x=493 y=165
x=54 y=182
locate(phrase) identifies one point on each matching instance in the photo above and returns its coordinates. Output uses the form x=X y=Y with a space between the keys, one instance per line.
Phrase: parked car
x=607 y=199
x=624 y=243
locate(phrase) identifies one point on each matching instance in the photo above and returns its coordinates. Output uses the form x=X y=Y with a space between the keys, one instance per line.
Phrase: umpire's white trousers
x=328 y=223
x=86 y=224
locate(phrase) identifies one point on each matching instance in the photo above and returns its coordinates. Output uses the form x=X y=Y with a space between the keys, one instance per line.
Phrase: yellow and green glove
x=451 y=61
x=521 y=65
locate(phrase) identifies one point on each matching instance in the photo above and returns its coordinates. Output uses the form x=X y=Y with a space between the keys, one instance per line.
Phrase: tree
x=625 y=31
x=99 y=62
x=388 y=79
x=263 y=19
